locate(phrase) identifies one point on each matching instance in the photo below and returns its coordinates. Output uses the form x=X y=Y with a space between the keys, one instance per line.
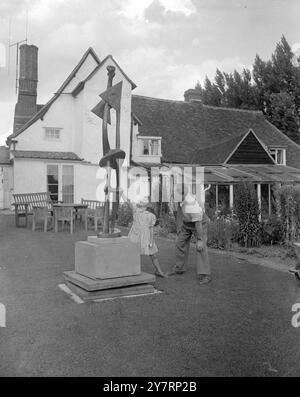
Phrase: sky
x=164 y=46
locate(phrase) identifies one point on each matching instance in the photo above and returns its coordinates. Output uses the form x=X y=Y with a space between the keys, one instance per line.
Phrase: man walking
x=191 y=220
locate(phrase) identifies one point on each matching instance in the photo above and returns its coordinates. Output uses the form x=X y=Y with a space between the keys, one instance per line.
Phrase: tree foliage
x=272 y=86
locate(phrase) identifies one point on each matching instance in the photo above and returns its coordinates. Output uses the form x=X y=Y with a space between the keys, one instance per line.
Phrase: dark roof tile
x=189 y=127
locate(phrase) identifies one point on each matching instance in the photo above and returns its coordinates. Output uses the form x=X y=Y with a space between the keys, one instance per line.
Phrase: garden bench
x=95 y=211
x=25 y=203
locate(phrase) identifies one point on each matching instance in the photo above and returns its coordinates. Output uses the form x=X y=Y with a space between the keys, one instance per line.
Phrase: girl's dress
x=140 y=230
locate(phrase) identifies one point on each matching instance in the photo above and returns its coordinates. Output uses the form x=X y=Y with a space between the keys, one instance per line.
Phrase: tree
x=273 y=87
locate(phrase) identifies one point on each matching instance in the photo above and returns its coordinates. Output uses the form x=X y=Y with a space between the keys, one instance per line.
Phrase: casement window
x=151 y=146
x=52 y=134
x=279 y=155
x=60 y=182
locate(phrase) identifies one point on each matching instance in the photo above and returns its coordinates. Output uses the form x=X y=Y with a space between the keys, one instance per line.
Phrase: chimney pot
x=192 y=95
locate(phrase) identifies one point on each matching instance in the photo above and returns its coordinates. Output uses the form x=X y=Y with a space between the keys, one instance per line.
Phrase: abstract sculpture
x=112 y=158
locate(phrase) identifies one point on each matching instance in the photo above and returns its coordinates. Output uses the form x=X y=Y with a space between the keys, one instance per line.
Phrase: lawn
x=239 y=325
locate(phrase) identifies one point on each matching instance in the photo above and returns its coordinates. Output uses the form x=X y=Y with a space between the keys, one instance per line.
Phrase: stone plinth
x=105 y=258
x=108 y=268
x=89 y=289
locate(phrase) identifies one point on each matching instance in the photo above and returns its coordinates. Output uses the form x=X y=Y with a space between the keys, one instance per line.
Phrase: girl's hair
x=149 y=208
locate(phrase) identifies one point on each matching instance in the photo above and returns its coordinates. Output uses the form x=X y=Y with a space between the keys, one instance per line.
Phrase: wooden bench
x=25 y=203
x=95 y=211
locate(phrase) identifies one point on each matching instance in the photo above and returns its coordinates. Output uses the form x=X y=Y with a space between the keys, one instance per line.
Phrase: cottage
x=57 y=146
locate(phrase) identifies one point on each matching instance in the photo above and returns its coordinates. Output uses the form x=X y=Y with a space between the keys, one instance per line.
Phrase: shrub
x=272 y=231
x=125 y=215
x=247 y=212
x=222 y=233
x=287 y=201
x=167 y=224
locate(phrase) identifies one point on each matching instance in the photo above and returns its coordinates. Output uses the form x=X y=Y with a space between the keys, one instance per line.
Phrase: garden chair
x=64 y=215
x=41 y=213
x=96 y=216
x=95 y=211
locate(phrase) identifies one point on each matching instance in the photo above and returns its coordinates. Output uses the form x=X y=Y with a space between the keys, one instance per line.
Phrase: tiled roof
x=190 y=127
x=4 y=155
x=43 y=109
x=216 y=154
x=34 y=154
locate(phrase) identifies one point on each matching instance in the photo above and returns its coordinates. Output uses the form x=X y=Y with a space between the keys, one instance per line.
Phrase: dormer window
x=151 y=146
x=279 y=155
x=52 y=134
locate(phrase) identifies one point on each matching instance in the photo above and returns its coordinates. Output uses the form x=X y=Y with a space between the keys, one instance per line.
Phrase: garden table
x=73 y=207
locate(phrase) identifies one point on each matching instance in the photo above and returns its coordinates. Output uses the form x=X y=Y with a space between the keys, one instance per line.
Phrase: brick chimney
x=192 y=95
x=28 y=77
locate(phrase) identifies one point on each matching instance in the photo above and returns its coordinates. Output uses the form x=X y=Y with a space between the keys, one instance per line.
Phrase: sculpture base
x=88 y=289
x=109 y=235
x=102 y=258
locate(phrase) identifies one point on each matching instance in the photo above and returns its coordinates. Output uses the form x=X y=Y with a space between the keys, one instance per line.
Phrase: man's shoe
x=174 y=272
x=204 y=279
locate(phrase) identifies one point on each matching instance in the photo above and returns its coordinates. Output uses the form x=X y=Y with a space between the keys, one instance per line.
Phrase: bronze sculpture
x=112 y=158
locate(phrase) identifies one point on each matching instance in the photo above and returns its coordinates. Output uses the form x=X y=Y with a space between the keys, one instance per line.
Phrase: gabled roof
x=43 y=110
x=217 y=154
x=250 y=150
x=190 y=127
x=81 y=84
x=36 y=154
x=4 y=155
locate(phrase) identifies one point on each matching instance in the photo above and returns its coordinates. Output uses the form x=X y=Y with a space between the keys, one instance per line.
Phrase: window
x=60 y=182
x=151 y=147
x=278 y=155
x=52 y=134
x=52 y=181
x=68 y=183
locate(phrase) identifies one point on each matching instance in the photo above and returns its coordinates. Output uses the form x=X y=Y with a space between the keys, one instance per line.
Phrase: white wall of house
x=80 y=132
x=60 y=115
x=31 y=177
x=86 y=68
x=86 y=182
x=6 y=186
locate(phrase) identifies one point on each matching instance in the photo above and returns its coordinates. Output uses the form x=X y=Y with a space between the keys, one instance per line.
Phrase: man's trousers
x=182 y=250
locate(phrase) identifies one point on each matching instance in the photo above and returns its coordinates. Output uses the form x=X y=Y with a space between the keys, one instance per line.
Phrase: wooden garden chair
x=64 y=215
x=41 y=213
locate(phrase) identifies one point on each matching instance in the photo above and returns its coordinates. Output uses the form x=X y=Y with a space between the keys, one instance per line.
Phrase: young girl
x=142 y=232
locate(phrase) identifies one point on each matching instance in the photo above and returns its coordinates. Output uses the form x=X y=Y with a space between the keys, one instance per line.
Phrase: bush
x=222 y=233
x=247 y=212
x=272 y=231
x=167 y=224
x=125 y=215
x=287 y=201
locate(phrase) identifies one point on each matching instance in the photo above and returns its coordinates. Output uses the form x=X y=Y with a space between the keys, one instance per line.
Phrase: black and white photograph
x=149 y=191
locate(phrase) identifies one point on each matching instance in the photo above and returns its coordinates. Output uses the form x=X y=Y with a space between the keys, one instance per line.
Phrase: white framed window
x=52 y=134
x=60 y=182
x=279 y=155
x=151 y=146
